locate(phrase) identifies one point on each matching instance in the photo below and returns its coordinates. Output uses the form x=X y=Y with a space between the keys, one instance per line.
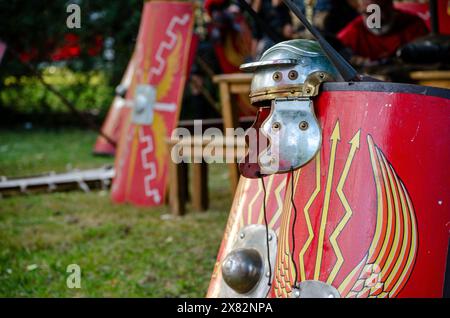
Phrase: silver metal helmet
x=294 y=68
x=286 y=78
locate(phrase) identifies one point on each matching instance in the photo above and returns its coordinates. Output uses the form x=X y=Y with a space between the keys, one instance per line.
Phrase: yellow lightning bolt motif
x=261 y=212
x=308 y=220
x=279 y=205
x=241 y=204
x=355 y=141
x=252 y=202
x=335 y=137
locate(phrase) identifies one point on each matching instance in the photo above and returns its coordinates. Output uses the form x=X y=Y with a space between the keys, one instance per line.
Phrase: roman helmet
x=286 y=79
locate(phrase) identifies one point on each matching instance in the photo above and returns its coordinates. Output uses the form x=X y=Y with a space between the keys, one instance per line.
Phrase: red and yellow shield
x=161 y=60
x=370 y=213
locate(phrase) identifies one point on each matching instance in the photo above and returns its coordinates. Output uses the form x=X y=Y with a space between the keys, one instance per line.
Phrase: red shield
x=372 y=208
x=161 y=61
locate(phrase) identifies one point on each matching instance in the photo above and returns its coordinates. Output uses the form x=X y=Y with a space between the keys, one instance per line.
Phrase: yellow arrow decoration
x=308 y=220
x=355 y=142
x=335 y=137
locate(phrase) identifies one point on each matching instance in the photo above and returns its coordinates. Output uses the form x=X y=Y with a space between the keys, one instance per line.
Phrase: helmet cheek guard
x=286 y=79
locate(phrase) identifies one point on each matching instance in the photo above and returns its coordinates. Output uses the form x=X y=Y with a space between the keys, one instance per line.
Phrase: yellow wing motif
x=172 y=67
x=160 y=133
x=385 y=269
x=164 y=86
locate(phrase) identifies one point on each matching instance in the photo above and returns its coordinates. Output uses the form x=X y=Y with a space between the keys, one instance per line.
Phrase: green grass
x=123 y=251
x=28 y=152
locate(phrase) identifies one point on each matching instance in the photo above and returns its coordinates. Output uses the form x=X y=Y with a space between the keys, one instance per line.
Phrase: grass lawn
x=123 y=251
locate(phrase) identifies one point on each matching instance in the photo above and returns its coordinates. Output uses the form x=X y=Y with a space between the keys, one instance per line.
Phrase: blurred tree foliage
x=89 y=90
x=39 y=27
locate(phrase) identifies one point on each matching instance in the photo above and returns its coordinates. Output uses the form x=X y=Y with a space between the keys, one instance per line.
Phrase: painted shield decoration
x=369 y=216
x=161 y=61
x=247 y=209
x=369 y=208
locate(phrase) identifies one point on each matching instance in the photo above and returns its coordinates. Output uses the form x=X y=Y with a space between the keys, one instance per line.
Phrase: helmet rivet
x=276 y=126
x=293 y=75
x=277 y=76
x=303 y=125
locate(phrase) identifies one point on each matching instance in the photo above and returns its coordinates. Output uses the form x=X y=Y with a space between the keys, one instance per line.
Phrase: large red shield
x=371 y=210
x=161 y=64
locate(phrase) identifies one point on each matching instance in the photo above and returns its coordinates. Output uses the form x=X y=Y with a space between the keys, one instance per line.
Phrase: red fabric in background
x=414 y=8
x=364 y=43
x=444 y=17
x=69 y=49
